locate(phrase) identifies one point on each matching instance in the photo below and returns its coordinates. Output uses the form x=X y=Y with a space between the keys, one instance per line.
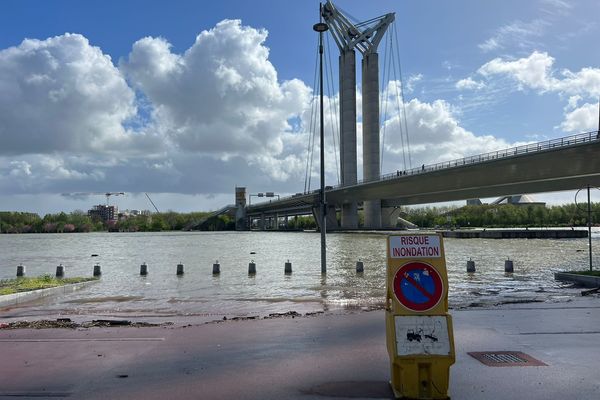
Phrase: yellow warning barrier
x=419 y=334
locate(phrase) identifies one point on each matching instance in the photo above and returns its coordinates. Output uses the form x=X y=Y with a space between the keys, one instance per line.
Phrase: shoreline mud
x=42 y=320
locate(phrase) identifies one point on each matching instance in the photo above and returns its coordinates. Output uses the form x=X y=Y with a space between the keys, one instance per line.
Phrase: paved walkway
x=320 y=357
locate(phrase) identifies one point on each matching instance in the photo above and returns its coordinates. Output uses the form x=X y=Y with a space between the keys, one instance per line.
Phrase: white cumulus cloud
x=61 y=94
x=214 y=116
x=584 y=118
x=221 y=97
x=536 y=72
x=533 y=71
x=434 y=135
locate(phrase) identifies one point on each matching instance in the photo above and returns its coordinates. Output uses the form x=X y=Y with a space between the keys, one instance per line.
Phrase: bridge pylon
x=349 y=37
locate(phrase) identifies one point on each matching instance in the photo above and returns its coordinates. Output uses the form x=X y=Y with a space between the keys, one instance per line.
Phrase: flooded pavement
x=123 y=293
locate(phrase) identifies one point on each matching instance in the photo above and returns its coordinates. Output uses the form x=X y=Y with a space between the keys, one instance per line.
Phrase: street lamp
x=321 y=27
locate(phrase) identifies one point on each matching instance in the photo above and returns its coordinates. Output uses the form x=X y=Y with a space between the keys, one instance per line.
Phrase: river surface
x=122 y=291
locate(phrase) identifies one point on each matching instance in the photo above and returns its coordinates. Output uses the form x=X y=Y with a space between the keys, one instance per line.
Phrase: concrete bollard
x=252 y=268
x=60 y=271
x=288 y=267
x=470 y=266
x=143 y=269
x=360 y=267
x=508 y=266
x=216 y=268
x=180 y=269
x=20 y=270
x=97 y=270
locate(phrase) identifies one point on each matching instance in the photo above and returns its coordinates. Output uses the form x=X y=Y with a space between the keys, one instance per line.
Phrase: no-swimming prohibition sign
x=418 y=286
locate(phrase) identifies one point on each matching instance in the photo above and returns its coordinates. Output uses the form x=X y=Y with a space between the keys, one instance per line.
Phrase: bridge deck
x=560 y=164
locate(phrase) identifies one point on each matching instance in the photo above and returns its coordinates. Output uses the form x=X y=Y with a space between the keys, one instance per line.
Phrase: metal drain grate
x=506 y=359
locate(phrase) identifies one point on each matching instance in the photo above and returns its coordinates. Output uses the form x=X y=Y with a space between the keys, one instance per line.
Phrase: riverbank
x=19 y=298
x=525 y=233
x=26 y=284
x=309 y=358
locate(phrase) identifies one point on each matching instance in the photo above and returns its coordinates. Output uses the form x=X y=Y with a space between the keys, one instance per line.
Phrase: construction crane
x=152 y=202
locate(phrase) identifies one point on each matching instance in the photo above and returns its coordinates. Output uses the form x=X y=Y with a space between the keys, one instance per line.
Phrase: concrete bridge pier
x=331 y=218
x=332 y=222
x=240 y=212
x=348 y=132
x=349 y=218
x=389 y=217
x=371 y=158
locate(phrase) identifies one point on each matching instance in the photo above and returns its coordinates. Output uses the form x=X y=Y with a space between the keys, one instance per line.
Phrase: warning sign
x=419 y=334
x=418 y=328
x=415 y=246
x=418 y=286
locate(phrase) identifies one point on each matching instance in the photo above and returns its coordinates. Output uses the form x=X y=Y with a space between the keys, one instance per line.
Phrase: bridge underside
x=563 y=168
x=547 y=171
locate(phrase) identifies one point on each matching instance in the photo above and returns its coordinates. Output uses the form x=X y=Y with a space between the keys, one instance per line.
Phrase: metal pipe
x=589 y=225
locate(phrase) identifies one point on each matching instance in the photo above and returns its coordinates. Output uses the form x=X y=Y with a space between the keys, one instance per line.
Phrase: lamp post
x=322 y=27
x=589 y=218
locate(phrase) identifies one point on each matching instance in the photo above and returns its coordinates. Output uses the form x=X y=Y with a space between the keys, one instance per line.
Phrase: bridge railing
x=493 y=155
x=480 y=158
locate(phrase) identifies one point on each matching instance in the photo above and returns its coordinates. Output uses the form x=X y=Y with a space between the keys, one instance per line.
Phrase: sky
x=185 y=100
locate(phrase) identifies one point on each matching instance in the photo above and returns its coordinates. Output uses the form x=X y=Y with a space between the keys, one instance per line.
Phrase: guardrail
x=551 y=144
x=495 y=155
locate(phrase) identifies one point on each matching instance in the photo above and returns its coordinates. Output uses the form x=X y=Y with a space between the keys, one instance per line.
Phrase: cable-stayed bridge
x=570 y=162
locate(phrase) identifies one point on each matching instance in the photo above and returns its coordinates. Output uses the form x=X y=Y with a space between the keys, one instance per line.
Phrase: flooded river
x=122 y=291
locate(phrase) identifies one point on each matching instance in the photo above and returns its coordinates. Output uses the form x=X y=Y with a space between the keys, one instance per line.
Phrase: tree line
x=487 y=215
x=502 y=216
x=79 y=221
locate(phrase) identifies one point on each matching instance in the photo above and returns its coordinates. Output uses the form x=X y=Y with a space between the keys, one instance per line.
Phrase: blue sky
x=187 y=99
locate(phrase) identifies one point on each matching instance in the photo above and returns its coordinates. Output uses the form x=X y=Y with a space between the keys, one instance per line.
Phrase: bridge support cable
x=398 y=101
x=403 y=102
x=313 y=137
x=335 y=130
x=384 y=100
x=311 y=129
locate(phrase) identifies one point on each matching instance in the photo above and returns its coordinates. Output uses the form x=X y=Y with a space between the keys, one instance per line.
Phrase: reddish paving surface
x=326 y=356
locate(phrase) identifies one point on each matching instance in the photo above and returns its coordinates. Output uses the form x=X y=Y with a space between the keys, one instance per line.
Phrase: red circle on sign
x=418 y=286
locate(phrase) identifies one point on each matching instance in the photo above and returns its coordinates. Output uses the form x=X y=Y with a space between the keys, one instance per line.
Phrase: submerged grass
x=26 y=284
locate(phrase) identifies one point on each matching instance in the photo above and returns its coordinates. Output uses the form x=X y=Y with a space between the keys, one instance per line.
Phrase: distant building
x=474 y=202
x=103 y=213
x=135 y=213
x=519 y=200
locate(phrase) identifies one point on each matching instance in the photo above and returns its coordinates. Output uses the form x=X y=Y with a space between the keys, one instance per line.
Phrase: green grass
x=588 y=273
x=10 y=286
